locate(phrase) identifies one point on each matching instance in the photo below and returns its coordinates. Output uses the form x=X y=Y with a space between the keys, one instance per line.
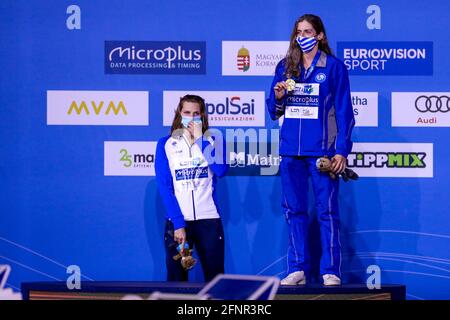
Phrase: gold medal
x=290 y=85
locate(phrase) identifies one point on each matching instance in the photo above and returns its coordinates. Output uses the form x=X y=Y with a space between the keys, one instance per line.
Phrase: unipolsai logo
x=235 y=105
x=387 y=57
x=224 y=108
x=129 y=158
x=243 y=59
x=155 y=57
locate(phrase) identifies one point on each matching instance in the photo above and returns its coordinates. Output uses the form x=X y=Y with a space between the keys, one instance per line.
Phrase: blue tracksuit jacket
x=318 y=115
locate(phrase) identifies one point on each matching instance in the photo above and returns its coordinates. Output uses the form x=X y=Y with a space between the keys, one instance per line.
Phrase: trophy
x=187 y=260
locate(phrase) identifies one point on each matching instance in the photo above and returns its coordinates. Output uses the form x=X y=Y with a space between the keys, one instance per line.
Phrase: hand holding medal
x=290 y=85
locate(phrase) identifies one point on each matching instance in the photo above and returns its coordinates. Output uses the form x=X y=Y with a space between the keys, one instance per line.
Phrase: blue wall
x=57 y=208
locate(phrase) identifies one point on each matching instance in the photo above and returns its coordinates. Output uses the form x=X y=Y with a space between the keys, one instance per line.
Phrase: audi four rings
x=432 y=104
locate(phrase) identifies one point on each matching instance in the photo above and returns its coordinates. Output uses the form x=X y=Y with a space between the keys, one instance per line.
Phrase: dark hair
x=294 y=56
x=176 y=124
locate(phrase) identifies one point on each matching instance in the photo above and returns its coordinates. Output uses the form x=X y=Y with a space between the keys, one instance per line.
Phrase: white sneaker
x=294 y=278
x=331 y=280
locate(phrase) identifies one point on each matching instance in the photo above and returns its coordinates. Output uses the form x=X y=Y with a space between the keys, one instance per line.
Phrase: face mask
x=306 y=44
x=185 y=120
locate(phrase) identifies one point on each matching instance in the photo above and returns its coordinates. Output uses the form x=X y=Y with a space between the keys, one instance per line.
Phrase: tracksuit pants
x=206 y=236
x=295 y=172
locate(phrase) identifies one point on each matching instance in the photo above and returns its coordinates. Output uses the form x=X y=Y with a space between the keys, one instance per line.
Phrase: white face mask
x=306 y=43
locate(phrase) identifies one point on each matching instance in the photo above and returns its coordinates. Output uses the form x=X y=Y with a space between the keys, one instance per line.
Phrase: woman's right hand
x=280 y=89
x=180 y=236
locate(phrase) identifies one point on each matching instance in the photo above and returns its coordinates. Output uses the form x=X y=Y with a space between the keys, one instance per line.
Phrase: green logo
x=136 y=160
x=387 y=159
x=126 y=158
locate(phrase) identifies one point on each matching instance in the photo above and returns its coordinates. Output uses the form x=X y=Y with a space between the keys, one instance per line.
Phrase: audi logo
x=433 y=104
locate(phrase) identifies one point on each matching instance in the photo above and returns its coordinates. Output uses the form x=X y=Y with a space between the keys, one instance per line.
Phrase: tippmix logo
x=408 y=160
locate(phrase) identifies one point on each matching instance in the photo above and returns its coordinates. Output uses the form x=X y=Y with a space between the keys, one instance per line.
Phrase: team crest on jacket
x=321 y=77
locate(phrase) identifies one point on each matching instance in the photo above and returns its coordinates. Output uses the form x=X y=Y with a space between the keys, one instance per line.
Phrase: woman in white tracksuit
x=188 y=163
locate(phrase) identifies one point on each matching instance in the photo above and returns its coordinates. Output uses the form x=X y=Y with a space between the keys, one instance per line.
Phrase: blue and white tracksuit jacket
x=186 y=176
x=318 y=121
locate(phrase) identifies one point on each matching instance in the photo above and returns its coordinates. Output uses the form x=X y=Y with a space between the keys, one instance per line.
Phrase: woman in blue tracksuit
x=311 y=90
x=187 y=165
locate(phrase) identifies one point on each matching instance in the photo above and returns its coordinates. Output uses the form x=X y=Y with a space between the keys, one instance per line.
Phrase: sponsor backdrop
x=88 y=87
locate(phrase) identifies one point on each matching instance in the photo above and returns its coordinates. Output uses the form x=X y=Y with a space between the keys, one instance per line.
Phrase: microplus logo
x=191 y=173
x=155 y=57
x=387 y=58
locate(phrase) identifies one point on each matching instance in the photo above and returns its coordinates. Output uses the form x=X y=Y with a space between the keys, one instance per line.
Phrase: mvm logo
x=116 y=108
x=97 y=108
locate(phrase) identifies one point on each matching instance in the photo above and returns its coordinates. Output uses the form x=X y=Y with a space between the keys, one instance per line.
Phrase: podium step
x=116 y=290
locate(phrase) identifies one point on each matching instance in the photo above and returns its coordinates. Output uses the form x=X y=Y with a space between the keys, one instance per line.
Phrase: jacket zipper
x=192 y=191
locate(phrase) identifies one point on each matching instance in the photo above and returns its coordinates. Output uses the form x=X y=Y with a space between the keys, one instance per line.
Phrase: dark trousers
x=207 y=238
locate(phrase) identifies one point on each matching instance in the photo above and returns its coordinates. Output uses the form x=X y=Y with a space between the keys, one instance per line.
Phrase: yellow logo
x=97 y=109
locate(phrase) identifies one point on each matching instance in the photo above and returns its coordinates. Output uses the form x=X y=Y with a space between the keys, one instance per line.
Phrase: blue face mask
x=185 y=120
x=306 y=43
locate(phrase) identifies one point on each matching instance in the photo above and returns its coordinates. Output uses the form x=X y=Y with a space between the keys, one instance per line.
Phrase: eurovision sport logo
x=155 y=57
x=421 y=109
x=384 y=58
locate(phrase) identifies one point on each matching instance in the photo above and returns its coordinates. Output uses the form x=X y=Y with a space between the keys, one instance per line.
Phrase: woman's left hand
x=195 y=129
x=338 y=164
